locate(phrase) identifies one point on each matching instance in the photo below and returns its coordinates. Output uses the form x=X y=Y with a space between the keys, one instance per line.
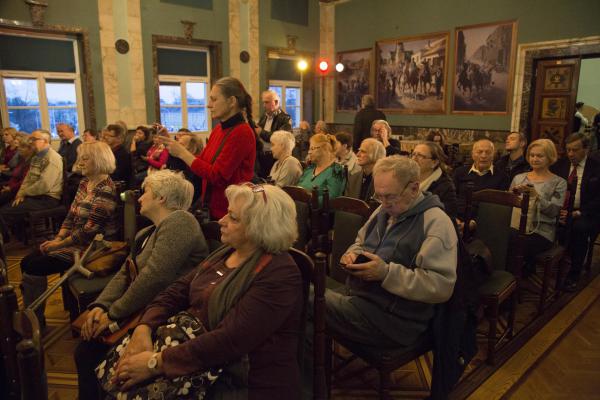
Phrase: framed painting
x=484 y=68
x=558 y=78
x=554 y=107
x=355 y=80
x=411 y=74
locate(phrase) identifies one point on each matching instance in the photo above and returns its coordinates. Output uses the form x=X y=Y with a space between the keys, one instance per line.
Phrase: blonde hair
x=100 y=154
x=176 y=191
x=375 y=149
x=272 y=208
x=548 y=147
x=324 y=138
x=11 y=131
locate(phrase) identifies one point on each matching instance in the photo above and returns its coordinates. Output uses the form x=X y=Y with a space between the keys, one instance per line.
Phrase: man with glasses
x=402 y=262
x=382 y=131
x=42 y=186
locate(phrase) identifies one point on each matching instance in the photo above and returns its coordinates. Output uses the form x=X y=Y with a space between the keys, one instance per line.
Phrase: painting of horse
x=354 y=81
x=410 y=74
x=483 y=70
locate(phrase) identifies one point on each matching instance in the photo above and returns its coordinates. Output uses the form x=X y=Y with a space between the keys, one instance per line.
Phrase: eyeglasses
x=34 y=139
x=257 y=189
x=420 y=156
x=313 y=148
x=390 y=198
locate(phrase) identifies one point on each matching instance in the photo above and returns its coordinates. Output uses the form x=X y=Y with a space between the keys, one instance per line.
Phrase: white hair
x=176 y=191
x=45 y=134
x=269 y=216
x=286 y=138
x=273 y=94
x=404 y=169
x=375 y=149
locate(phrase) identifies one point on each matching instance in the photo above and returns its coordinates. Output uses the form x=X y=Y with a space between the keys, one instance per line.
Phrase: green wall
x=589 y=82
x=80 y=14
x=160 y=18
x=360 y=23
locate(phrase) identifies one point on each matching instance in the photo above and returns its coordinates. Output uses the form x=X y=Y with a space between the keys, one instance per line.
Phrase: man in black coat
x=364 y=119
x=68 y=144
x=580 y=165
x=274 y=119
x=514 y=163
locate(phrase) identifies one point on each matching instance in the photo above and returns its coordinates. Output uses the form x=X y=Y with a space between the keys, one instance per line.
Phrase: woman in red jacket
x=229 y=155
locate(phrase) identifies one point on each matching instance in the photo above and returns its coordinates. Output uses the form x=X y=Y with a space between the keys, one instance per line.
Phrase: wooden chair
x=302 y=199
x=494 y=213
x=349 y=215
x=313 y=273
x=320 y=223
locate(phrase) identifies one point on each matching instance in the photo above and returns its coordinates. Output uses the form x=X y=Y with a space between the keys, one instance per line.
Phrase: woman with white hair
x=239 y=312
x=91 y=213
x=162 y=253
x=360 y=185
x=287 y=169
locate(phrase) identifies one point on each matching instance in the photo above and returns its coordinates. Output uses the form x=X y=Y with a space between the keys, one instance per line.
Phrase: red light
x=323 y=66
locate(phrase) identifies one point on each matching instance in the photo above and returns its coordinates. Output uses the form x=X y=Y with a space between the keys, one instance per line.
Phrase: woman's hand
x=141 y=340
x=176 y=149
x=101 y=324
x=134 y=369
x=87 y=330
x=51 y=245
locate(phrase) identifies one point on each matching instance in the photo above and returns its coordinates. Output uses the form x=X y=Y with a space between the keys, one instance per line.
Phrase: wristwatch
x=153 y=362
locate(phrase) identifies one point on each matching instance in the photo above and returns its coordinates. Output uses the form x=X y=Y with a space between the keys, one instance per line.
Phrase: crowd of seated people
x=9 y=151
x=237 y=311
x=11 y=186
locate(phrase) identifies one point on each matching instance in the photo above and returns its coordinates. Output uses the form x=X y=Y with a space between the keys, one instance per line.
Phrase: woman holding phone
x=229 y=155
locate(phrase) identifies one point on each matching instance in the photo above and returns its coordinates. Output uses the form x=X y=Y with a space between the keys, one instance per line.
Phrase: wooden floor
x=562 y=361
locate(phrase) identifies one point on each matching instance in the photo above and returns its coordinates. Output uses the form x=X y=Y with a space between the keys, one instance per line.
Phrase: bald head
x=483 y=154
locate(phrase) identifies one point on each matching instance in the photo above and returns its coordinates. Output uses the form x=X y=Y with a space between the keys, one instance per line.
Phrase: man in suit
x=364 y=119
x=274 y=119
x=68 y=144
x=585 y=169
x=513 y=163
x=481 y=173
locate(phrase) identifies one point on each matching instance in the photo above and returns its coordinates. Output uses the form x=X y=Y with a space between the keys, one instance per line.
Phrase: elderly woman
x=323 y=172
x=239 y=311
x=229 y=155
x=10 y=149
x=382 y=131
x=164 y=252
x=434 y=175
x=91 y=213
x=549 y=193
x=360 y=185
x=287 y=169
x=25 y=151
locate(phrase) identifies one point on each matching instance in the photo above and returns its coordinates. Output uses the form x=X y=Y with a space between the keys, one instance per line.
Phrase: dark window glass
x=182 y=62
x=283 y=70
x=19 y=53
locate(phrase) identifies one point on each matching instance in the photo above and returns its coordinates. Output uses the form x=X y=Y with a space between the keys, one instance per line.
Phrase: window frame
x=289 y=84
x=41 y=77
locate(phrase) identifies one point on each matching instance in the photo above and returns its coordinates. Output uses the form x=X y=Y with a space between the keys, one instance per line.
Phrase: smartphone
x=361 y=259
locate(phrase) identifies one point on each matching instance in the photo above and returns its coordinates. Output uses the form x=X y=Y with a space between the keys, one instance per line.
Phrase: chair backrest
x=320 y=222
x=212 y=234
x=349 y=215
x=130 y=203
x=494 y=213
x=302 y=199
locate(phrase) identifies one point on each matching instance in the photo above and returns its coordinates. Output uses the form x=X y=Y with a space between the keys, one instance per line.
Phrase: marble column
x=327 y=52
x=123 y=74
x=243 y=36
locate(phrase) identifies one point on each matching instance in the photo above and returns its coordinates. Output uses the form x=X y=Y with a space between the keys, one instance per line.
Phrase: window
x=35 y=95
x=290 y=94
x=183 y=89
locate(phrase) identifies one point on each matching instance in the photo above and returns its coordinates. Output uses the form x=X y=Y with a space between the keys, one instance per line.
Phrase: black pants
x=87 y=357
x=11 y=217
x=581 y=233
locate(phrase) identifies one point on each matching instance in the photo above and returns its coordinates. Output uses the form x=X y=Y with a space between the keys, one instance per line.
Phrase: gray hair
x=286 y=138
x=367 y=100
x=383 y=122
x=274 y=209
x=481 y=141
x=172 y=187
x=273 y=94
x=101 y=155
x=375 y=149
x=403 y=169
x=45 y=134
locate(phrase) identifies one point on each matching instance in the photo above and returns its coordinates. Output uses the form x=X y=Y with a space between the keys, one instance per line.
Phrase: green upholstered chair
x=493 y=219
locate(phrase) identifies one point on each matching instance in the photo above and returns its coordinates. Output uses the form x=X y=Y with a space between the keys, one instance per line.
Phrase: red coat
x=235 y=163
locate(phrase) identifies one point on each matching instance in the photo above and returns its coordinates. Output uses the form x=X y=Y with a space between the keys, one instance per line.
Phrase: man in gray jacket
x=402 y=263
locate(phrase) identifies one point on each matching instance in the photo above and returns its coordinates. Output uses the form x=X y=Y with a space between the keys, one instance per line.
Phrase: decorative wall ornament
x=411 y=72
x=355 y=80
x=122 y=46
x=188 y=29
x=244 y=56
x=484 y=68
x=37 y=10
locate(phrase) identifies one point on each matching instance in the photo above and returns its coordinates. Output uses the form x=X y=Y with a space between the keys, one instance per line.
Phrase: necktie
x=571 y=183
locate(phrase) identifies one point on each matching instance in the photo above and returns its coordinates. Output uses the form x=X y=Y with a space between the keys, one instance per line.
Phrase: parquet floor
x=570 y=370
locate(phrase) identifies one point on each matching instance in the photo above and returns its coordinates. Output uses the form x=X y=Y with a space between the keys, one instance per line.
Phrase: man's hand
x=18 y=200
x=348 y=258
x=374 y=270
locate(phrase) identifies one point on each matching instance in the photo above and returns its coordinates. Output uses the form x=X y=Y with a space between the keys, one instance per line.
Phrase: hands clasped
x=373 y=270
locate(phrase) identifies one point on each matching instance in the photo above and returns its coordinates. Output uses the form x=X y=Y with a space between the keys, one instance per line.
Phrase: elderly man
x=360 y=184
x=274 y=119
x=364 y=119
x=382 y=131
x=68 y=144
x=514 y=163
x=481 y=174
x=402 y=263
x=43 y=185
x=114 y=136
x=584 y=170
